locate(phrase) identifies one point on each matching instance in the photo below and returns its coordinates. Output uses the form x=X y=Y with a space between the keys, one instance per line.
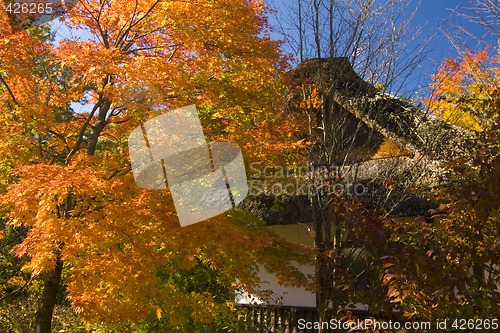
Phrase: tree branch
x=2 y=80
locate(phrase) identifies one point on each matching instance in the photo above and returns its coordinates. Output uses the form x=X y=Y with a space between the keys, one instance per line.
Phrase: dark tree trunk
x=99 y=126
x=43 y=316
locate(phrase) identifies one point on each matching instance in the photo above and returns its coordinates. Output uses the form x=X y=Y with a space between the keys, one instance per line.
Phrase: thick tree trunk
x=98 y=127
x=43 y=316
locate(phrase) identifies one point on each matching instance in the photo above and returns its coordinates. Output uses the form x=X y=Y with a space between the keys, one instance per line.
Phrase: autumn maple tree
x=464 y=91
x=67 y=107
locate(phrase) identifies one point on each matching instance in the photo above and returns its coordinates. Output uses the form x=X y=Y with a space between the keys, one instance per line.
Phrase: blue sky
x=444 y=15
x=437 y=18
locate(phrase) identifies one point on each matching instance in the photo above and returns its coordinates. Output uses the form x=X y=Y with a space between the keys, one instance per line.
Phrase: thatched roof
x=402 y=122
